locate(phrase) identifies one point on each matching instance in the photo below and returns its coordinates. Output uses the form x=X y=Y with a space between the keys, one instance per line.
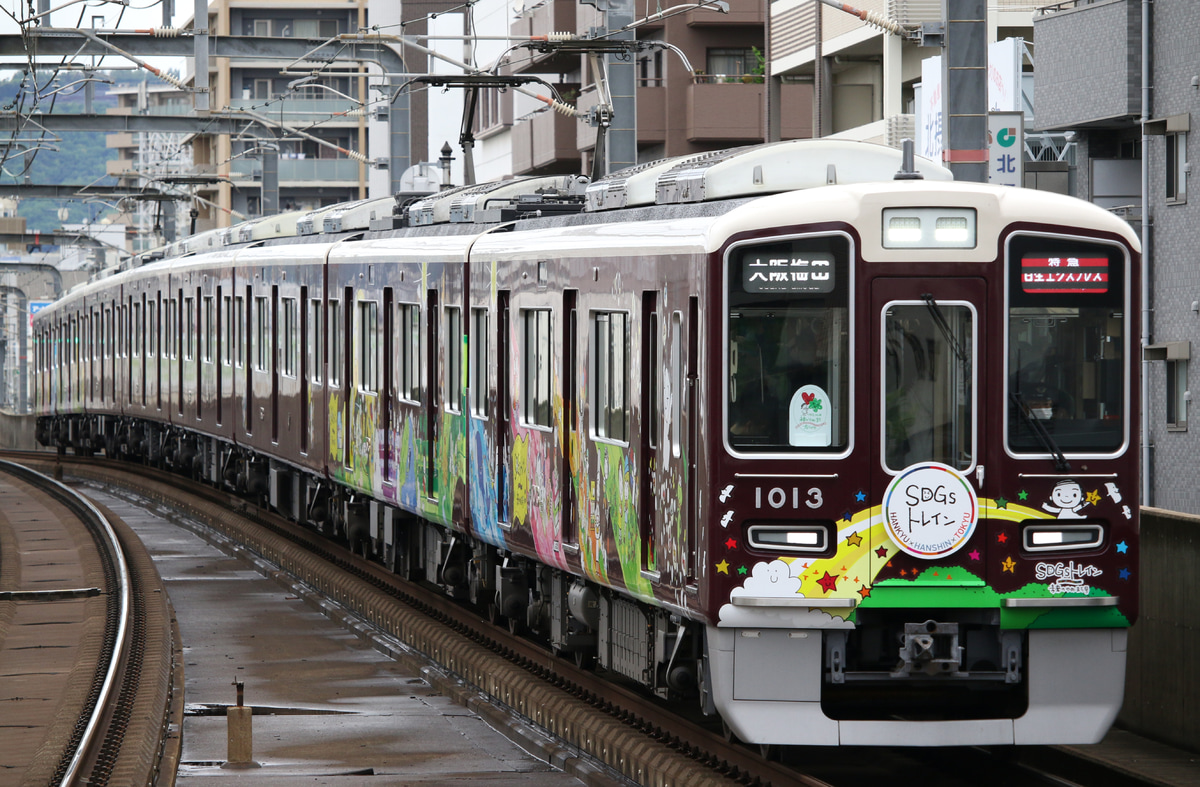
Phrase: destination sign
x=1063 y=274
x=766 y=272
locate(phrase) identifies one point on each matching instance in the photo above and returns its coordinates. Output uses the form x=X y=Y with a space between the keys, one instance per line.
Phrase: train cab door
x=927 y=378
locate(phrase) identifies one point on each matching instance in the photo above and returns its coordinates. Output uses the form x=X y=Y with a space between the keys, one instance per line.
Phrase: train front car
x=924 y=522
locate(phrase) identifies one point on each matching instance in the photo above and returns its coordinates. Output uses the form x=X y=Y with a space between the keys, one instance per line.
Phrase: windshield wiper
x=1047 y=440
x=939 y=319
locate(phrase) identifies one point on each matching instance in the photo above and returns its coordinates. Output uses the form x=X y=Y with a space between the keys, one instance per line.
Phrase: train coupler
x=929 y=648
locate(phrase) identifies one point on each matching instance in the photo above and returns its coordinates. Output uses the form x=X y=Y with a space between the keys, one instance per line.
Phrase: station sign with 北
x=1006 y=148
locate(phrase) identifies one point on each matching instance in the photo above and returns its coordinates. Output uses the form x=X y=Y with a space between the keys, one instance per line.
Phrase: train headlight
x=1061 y=538
x=802 y=537
x=929 y=228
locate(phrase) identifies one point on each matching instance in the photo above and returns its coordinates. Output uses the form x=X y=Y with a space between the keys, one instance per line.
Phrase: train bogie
x=847 y=464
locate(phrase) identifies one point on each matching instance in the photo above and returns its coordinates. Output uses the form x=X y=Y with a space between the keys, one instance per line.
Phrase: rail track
x=645 y=740
x=105 y=679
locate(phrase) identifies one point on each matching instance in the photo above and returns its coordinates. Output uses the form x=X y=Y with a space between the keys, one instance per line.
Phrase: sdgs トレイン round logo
x=930 y=510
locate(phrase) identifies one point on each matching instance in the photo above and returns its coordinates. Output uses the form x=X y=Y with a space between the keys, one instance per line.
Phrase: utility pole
x=965 y=90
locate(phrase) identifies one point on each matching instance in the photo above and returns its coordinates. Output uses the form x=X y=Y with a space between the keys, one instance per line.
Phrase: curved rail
x=119 y=604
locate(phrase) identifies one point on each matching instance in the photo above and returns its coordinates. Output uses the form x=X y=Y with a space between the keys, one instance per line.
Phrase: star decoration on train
x=1001 y=502
x=864 y=591
x=742 y=571
x=1123 y=548
x=731 y=543
x=1125 y=573
x=846 y=516
x=828 y=583
x=973 y=554
x=860 y=496
x=1009 y=565
x=1022 y=495
x=882 y=551
x=853 y=540
x=1002 y=538
x=1093 y=497
x=723 y=567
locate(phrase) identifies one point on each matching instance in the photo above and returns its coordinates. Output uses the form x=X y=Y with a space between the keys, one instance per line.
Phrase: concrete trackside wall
x=1162 y=680
x=16 y=432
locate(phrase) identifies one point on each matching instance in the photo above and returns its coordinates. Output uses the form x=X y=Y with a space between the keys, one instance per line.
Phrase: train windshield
x=787 y=381
x=1066 y=347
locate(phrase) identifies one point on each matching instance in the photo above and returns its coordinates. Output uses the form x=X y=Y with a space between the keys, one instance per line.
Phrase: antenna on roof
x=908 y=169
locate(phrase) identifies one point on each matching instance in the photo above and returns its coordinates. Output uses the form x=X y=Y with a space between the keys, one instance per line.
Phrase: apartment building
x=711 y=98
x=865 y=80
x=1094 y=83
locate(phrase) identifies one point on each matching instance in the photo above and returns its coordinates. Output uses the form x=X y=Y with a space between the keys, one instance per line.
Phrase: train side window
x=478 y=376
x=1067 y=346
x=536 y=376
x=227 y=349
x=238 y=326
x=151 y=329
x=409 y=368
x=454 y=338
x=610 y=375
x=210 y=329
x=315 y=335
x=335 y=343
x=189 y=348
x=289 y=316
x=262 y=331
x=676 y=382
x=137 y=321
x=368 y=346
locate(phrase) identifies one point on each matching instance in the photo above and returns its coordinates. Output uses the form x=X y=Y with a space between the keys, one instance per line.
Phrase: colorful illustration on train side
x=870 y=567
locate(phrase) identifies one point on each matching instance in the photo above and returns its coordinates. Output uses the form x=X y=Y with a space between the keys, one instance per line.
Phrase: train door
x=927 y=377
x=433 y=392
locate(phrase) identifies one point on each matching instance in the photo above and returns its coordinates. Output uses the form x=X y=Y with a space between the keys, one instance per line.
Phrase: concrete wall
x=16 y=432
x=1162 y=682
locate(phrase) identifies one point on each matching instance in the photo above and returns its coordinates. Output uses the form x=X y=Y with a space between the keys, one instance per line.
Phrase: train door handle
x=979 y=477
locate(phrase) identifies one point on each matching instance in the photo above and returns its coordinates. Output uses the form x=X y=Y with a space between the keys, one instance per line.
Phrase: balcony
x=741 y=12
x=549 y=16
x=326 y=171
x=732 y=112
x=302 y=110
x=546 y=141
x=1088 y=69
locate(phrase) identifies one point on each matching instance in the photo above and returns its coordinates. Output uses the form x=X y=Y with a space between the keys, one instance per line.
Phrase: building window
x=731 y=62
x=1177 y=395
x=1177 y=167
x=610 y=371
x=535 y=397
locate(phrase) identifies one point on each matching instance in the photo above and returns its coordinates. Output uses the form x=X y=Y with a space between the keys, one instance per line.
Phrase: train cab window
x=787 y=380
x=478 y=375
x=535 y=377
x=454 y=338
x=929 y=380
x=610 y=375
x=1067 y=346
